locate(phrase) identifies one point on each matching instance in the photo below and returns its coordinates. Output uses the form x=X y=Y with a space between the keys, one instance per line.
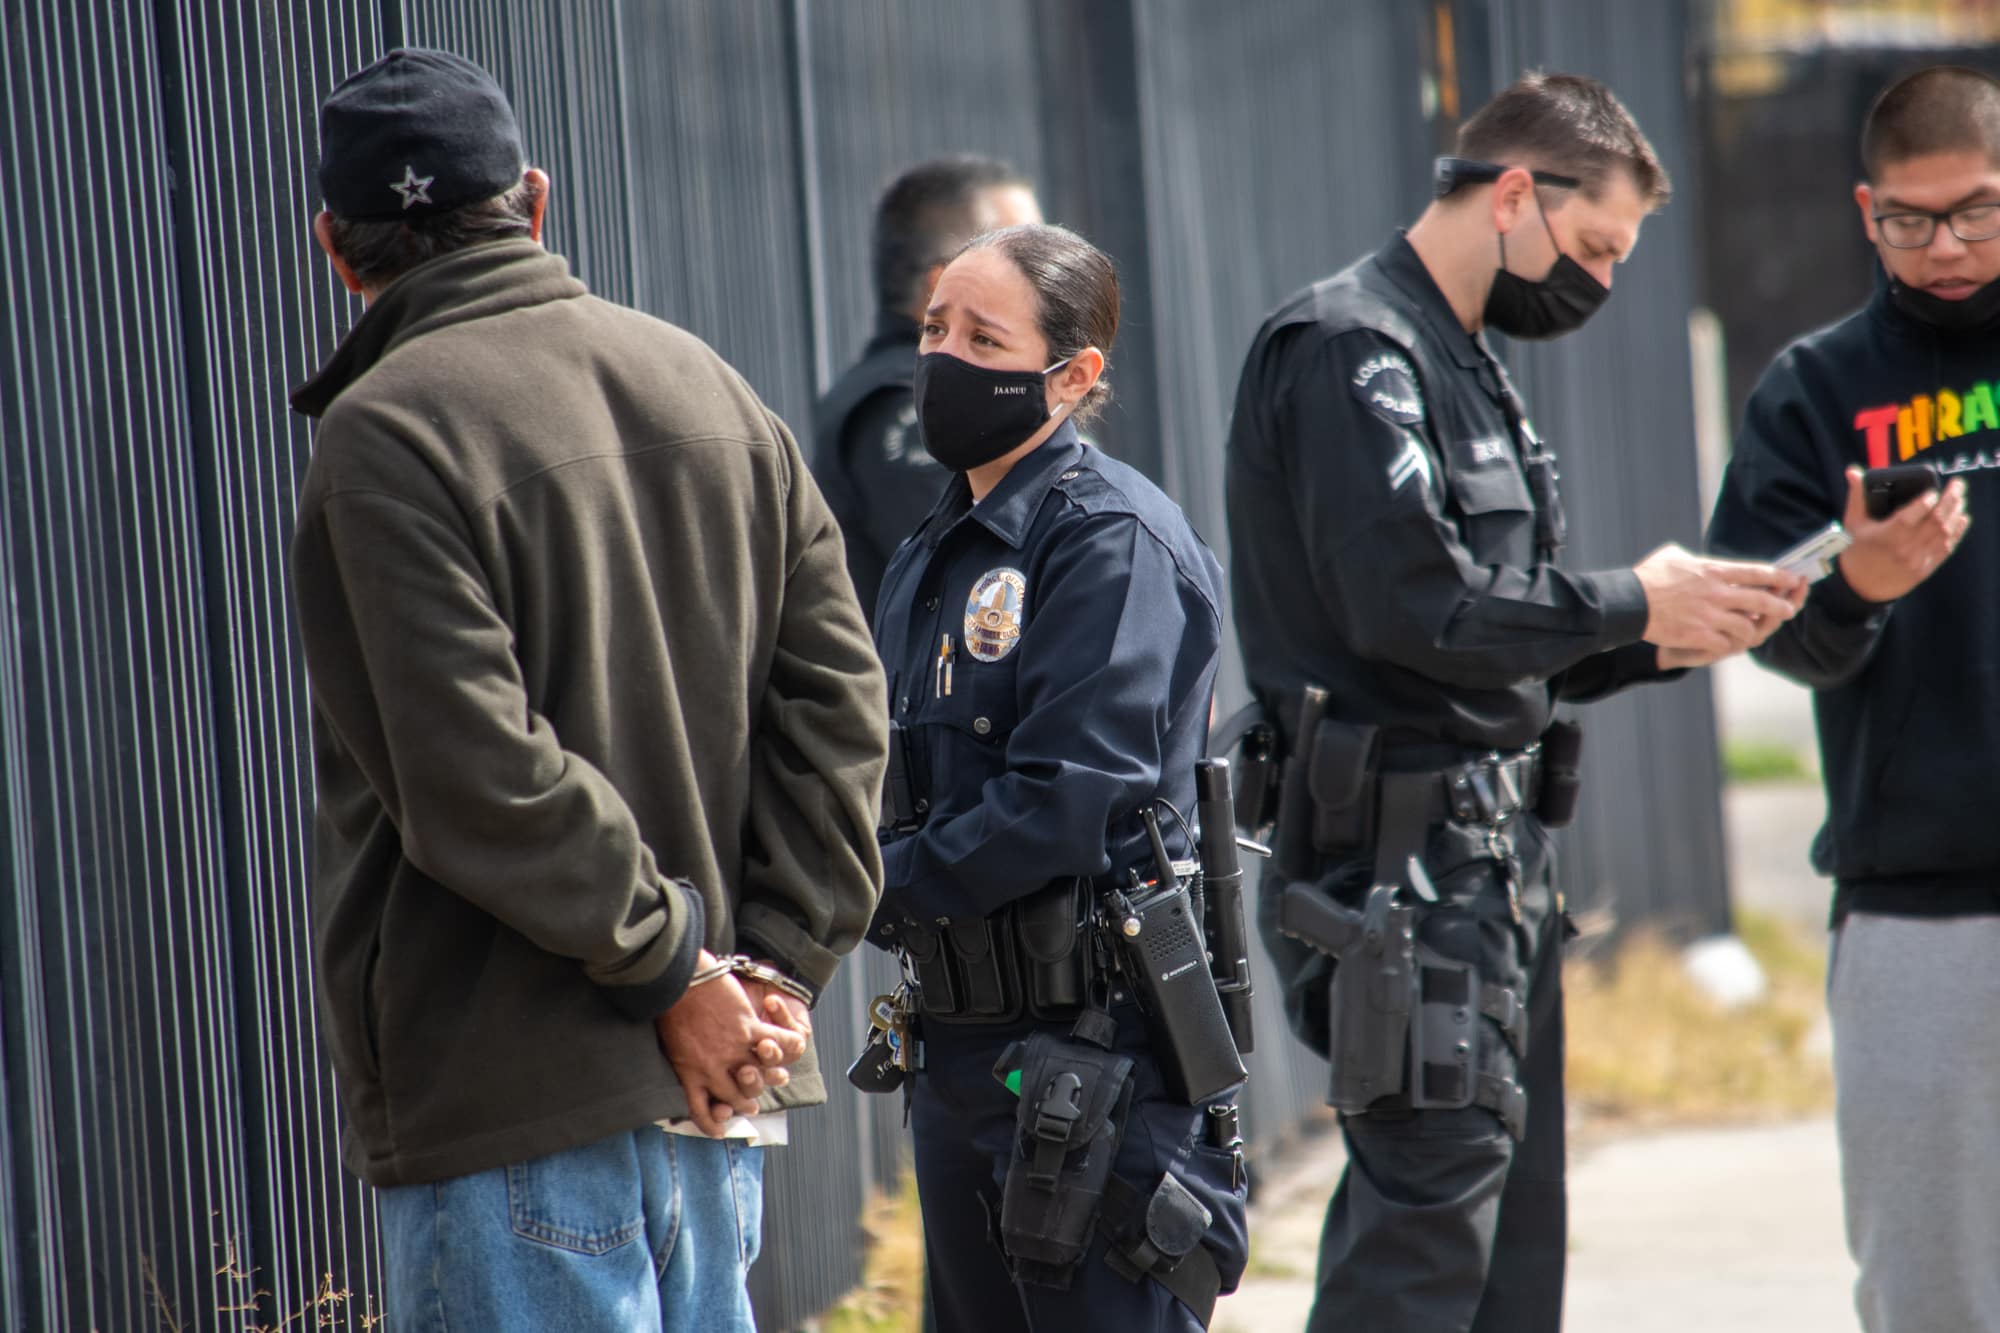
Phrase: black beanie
x=416 y=133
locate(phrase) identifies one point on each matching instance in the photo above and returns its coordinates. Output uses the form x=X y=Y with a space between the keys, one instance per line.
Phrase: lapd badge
x=995 y=614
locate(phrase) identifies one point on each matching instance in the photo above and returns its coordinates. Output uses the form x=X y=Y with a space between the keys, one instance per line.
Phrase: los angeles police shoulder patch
x=996 y=613
x=1387 y=386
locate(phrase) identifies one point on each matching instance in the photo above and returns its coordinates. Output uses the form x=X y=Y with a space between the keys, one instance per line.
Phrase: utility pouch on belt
x=966 y=970
x=1374 y=988
x=1158 y=1235
x=1074 y=1100
x=1293 y=855
x=1562 y=774
x=1341 y=770
x=935 y=979
x=982 y=951
x=1051 y=925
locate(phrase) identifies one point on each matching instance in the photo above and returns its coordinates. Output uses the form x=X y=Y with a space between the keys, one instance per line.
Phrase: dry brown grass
x=890 y=1297
x=1647 y=1046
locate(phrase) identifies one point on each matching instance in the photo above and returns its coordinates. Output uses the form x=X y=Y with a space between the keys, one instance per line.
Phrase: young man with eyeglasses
x=1901 y=645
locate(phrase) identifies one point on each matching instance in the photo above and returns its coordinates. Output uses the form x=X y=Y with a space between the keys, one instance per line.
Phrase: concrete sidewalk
x=1723 y=1230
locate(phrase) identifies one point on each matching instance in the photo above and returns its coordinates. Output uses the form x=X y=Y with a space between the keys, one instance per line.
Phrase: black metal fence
x=166 y=1149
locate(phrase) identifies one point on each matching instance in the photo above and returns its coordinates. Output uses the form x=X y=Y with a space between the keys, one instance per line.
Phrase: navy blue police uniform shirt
x=1079 y=615
x=1383 y=530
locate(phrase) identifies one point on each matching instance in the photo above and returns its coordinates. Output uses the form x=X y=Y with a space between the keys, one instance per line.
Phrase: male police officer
x=1394 y=524
x=867 y=457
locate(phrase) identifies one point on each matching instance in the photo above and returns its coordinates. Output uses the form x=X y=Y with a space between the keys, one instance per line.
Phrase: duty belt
x=1491 y=790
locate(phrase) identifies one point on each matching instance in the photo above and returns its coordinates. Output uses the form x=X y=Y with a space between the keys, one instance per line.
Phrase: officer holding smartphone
x=1902 y=647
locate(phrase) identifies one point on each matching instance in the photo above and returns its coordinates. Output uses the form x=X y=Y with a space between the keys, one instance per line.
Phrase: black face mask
x=1556 y=305
x=968 y=415
x=1977 y=313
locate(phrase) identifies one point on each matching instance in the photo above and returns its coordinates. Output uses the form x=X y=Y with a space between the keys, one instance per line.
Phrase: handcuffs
x=748 y=968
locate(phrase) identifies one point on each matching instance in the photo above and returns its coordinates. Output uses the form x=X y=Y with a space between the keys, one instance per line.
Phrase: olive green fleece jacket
x=589 y=689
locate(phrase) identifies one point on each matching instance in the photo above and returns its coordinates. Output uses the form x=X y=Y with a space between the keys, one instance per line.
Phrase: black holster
x=1075 y=1097
x=1406 y=1020
x=1374 y=985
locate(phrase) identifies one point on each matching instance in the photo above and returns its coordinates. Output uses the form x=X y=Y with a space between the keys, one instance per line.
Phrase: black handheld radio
x=1163 y=954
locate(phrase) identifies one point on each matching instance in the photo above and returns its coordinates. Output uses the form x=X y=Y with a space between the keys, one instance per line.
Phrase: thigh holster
x=1455 y=1059
x=1074 y=1101
x=1404 y=1018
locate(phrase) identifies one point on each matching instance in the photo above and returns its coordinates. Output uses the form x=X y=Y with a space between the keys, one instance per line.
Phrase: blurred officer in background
x=1052 y=634
x=1901 y=645
x=867 y=454
x=1394 y=529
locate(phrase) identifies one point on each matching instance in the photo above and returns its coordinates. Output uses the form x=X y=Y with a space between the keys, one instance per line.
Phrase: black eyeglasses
x=1915 y=230
x=1451 y=172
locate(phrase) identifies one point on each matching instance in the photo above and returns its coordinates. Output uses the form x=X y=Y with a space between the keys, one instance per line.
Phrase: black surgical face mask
x=968 y=415
x=1556 y=305
x=1975 y=314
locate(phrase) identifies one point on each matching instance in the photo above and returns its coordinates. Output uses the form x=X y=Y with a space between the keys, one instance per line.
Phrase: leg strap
x=1504 y=1007
x=1504 y=1097
x=1158 y=1235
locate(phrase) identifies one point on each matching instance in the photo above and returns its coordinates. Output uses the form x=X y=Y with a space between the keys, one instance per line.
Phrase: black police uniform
x=1078 y=614
x=868 y=457
x=1393 y=523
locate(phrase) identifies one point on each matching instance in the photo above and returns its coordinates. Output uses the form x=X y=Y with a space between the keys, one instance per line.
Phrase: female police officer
x=1051 y=635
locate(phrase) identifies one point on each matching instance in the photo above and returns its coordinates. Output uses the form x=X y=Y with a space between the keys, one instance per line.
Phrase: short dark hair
x=378 y=253
x=1570 y=125
x=1076 y=294
x=925 y=216
x=1943 y=109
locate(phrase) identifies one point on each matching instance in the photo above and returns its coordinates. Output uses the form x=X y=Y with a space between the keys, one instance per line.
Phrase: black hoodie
x=1906 y=694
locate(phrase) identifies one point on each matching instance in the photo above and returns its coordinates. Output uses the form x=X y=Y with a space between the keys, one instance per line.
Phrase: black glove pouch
x=1050 y=927
x=1562 y=774
x=1074 y=1101
x=1341 y=775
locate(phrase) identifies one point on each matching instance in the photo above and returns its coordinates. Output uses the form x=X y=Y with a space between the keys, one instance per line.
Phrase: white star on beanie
x=414 y=188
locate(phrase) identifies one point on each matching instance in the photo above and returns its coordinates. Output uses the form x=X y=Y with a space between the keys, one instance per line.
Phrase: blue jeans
x=641 y=1231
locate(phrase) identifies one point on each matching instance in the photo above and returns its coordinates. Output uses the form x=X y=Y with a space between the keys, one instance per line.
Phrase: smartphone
x=1886 y=489
x=1812 y=559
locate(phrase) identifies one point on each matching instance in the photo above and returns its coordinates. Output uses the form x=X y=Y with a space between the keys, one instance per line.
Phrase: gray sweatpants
x=1916 y=1031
